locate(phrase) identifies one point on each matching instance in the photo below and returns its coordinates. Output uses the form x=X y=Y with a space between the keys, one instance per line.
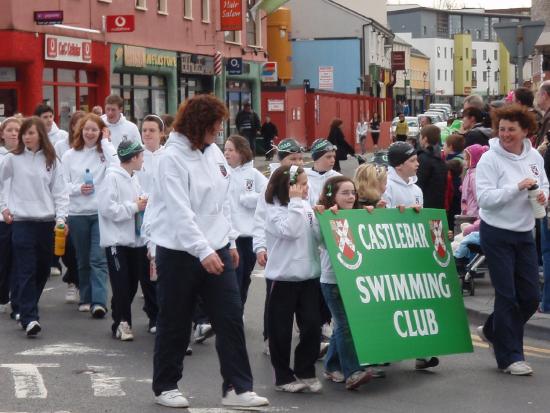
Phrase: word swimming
x=390 y=236
x=397 y=287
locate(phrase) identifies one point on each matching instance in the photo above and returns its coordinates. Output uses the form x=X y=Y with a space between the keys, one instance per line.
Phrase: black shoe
x=33 y=328
x=422 y=364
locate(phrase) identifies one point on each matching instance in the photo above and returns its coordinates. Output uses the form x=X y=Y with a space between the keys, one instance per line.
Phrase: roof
x=418 y=53
x=378 y=25
x=404 y=8
x=399 y=40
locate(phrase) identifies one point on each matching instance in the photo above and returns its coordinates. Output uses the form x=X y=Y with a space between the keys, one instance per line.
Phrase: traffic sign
x=120 y=23
x=234 y=66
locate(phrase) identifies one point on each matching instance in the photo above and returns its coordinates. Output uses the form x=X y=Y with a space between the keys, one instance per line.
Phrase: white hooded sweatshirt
x=74 y=165
x=55 y=134
x=7 y=184
x=316 y=181
x=118 y=209
x=122 y=129
x=191 y=199
x=399 y=192
x=36 y=192
x=145 y=174
x=258 y=228
x=501 y=203
x=292 y=239
x=245 y=187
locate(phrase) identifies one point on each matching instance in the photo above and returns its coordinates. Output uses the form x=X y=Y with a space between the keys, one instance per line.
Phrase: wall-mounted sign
x=275 y=105
x=196 y=64
x=398 y=60
x=231 y=15
x=269 y=72
x=120 y=23
x=48 y=17
x=326 y=77
x=234 y=66
x=67 y=49
x=135 y=56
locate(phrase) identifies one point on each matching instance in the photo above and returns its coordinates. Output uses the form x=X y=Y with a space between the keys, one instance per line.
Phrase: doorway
x=9 y=103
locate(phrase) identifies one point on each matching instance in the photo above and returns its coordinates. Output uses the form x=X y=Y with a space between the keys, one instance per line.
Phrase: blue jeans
x=92 y=264
x=462 y=251
x=341 y=354
x=545 y=247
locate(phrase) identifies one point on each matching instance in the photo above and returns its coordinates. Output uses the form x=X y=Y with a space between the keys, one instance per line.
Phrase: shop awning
x=269 y=6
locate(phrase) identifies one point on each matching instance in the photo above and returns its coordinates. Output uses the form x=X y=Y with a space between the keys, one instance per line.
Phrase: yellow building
x=420 y=79
x=462 y=64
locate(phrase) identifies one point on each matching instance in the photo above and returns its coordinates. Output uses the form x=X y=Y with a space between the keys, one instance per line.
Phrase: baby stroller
x=467 y=279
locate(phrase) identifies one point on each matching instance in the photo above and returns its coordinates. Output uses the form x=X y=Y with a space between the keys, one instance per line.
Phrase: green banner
x=398 y=281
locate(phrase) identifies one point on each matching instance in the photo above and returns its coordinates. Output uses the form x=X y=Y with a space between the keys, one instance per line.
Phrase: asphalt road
x=75 y=366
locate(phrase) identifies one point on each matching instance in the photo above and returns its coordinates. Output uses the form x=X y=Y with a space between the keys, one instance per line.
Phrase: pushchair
x=471 y=272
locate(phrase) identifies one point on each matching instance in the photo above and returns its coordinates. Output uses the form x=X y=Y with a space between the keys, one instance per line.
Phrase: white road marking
x=229 y=410
x=104 y=381
x=28 y=381
x=65 y=349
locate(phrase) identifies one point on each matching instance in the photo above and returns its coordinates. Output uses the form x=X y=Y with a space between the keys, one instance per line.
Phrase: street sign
x=231 y=15
x=269 y=72
x=48 y=17
x=398 y=282
x=234 y=66
x=326 y=77
x=397 y=60
x=120 y=23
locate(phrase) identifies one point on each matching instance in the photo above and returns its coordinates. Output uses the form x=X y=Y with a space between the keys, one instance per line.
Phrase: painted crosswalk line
x=104 y=381
x=28 y=382
x=66 y=349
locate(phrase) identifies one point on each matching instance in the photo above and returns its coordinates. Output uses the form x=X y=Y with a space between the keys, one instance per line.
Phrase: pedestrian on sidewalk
x=84 y=170
x=37 y=201
x=292 y=239
x=504 y=175
x=9 y=129
x=248 y=124
x=337 y=138
x=269 y=132
x=197 y=255
x=375 y=131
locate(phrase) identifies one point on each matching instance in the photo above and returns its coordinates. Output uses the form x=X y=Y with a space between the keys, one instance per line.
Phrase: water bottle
x=89 y=179
x=59 y=245
x=539 y=211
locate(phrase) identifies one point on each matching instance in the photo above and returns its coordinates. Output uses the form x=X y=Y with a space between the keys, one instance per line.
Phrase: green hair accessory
x=329 y=190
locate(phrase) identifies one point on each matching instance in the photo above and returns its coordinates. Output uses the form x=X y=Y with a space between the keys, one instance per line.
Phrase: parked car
x=412 y=121
x=434 y=117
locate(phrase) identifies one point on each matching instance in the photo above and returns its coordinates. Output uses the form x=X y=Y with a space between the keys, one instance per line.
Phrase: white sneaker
x=326 y=332
x=323 y=349
x=71 y=296
x=33 y=328
x=202 y=332
x=334 y=376
x=246 y=399
x=296 y=386
x=519 y=368
x=55 y=272
x=482 y=336
x=124 y=332
x=153 y=330
x=172 y=398
x=4 y=308
x=313 y=384
x=266 y=347
x=84 y=308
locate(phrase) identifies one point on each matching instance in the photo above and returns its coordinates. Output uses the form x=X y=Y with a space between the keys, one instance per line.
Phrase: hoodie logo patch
x=348 y=255
x=249 y=184
x=535 y=169
x=223 y=170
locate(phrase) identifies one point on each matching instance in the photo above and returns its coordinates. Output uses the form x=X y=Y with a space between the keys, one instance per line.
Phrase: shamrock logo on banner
x=440 y=254
x=346 y=244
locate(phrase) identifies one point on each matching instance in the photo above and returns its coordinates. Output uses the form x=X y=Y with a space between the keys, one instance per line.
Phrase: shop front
x=67 y=73
x=146 y=79
x=196 y=75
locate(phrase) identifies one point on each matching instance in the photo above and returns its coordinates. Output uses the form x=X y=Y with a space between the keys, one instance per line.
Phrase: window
x=478 y=34
x=496 y=76
x=474 y=76
x=455 y=24
x=438 y=51
x=141 y=4
x=493 y=33
x=467 y=54
x=438 y=74
x=445 y=75
x=187 y=9
x=424 y=30
x=485 y=28
x=452 y=75
x=467 y=75
x=452 y=53
x=484 y=76
x=495 y=54
x=445 y=52
x=474 y=57
x=442 y=25
x=253 y=26
x=162 y=6
x=205 y=11
x=232 y=37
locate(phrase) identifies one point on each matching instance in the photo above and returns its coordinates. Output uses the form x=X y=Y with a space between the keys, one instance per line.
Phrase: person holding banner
x=292 y=239
x=511 y=185
x=341 y=363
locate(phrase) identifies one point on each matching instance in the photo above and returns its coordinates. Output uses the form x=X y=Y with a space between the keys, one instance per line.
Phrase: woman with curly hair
x=196 y=255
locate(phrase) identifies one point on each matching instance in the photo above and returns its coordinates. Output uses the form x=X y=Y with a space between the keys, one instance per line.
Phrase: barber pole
x=218 y=57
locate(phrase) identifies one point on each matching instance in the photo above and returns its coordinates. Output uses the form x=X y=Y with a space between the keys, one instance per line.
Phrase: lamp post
x=488 y=77
x=424 y=75
x=497 y=81
x=405 y=87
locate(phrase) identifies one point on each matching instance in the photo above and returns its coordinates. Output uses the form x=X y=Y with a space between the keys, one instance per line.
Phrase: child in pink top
x=472 y=155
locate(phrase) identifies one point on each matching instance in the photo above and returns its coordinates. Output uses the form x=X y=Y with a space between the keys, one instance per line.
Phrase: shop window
x=47 y=75
x=495 y=55
x=48 y=97
x=67 y=105
x=141 y=4
x=65 y=75
x=233 y=37
x=162 y=6
x=205 y=11
x=187 y=9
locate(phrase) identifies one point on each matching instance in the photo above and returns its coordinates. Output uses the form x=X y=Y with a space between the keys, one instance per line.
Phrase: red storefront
x=66 y=72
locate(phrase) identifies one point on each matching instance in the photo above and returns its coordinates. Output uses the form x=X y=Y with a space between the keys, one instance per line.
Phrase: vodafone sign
x=68 y=49
x=120 y=23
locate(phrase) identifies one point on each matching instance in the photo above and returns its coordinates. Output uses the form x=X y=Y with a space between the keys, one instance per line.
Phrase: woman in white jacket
x=36 y=201
x=292 y=240
x=245 y=186
x=196 y=255
x=84 y=169
x=504 y=175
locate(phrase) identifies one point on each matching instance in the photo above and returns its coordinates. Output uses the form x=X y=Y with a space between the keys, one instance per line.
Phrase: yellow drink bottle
x=59 y=245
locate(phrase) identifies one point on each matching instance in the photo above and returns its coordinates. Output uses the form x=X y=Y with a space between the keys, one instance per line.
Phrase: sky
x=488 y=4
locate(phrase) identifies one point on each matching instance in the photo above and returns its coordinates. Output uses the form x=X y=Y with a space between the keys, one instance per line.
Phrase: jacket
x=399 y=192
x=7 y=184
x=432 y=177
x=343 y=148
x=145 y=174
x=246 y=184
x=401 y=128
x=55 y=134
x=118 y=209
x=478 y=134
x=292 y=239
x=36 y=193
x=191 y=197
x=316 y=181
x=469 y=199
x=258 y=228
x=122 y=129
x=501 y=203
x=61 y=147
x=75 y=163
